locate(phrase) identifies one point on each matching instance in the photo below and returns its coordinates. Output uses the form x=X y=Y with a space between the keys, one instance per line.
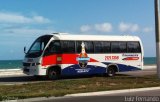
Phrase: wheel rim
x=110 y=72
x=52 y=74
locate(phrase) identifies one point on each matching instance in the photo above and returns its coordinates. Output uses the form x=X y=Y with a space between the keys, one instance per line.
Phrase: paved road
x=142 y=96
x=21 y=79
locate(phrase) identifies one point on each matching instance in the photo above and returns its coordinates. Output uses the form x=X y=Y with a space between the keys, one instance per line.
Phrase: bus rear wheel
x=111 y=72
x=52 y=74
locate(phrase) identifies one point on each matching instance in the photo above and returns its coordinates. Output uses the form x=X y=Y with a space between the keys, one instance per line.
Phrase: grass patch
x=70 y=86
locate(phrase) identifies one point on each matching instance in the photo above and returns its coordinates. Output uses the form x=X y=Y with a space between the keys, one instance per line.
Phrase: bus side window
x=53 y=48
x=107 y=47
x=102 y=47
x=68 y=46
x=133 y=47
x=118 y=47
x=98 y=47
x=78 y=45
x=89 y=48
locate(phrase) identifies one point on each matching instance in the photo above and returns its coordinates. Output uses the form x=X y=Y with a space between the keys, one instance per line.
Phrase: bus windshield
x=38 y=46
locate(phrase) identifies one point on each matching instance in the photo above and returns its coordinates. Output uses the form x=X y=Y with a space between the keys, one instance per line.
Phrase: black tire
x=111 y=72
x=52 y=74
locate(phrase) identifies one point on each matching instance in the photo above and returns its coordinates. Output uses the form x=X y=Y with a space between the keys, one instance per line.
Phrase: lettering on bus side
x=111 y=57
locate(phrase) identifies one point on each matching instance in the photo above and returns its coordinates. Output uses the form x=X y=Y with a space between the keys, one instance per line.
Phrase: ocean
x=149 y=60
x=17 y=64
x=10 y=64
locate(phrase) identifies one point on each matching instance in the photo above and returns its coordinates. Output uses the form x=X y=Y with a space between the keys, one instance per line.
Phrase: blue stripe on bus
x=123 y=67
x=92 y=69
x=76 y=70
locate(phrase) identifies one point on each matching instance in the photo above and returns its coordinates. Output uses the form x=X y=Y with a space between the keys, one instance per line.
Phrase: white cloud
x=85 y=28
x=14 y=24
x=40 y=19
x=6 y=17
x=134 y=27
x=107 y=27
x=147 y=29
x=124 y=27
x=30 y=32
x=104 y=27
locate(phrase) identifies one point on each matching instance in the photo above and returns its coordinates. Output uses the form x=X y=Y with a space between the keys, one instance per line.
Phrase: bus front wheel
x=52 y=74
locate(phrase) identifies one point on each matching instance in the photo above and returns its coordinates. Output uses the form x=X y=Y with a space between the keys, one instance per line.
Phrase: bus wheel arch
x=111 y=70
x=53 y=72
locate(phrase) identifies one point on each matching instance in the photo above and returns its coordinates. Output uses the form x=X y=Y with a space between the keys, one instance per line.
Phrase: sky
x=22 y=21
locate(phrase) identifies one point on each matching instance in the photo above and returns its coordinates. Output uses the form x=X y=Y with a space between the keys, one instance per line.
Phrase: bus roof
x=66 y=36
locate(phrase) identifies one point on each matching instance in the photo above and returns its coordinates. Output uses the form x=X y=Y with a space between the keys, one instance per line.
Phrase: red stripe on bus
x=131 y=58
x=49 y=60
x=62 y=59
x=69 y=59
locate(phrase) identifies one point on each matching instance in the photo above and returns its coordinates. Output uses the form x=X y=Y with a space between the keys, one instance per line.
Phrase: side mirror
x=25 y=50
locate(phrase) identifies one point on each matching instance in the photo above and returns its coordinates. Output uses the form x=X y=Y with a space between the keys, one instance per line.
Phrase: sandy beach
x=10 y=72
x=149 y=67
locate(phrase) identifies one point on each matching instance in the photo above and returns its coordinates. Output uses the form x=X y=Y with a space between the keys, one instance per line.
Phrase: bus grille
x=26 y=64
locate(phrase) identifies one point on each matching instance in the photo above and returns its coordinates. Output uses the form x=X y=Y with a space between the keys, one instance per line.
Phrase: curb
x=113 y=92
x=101 y=93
